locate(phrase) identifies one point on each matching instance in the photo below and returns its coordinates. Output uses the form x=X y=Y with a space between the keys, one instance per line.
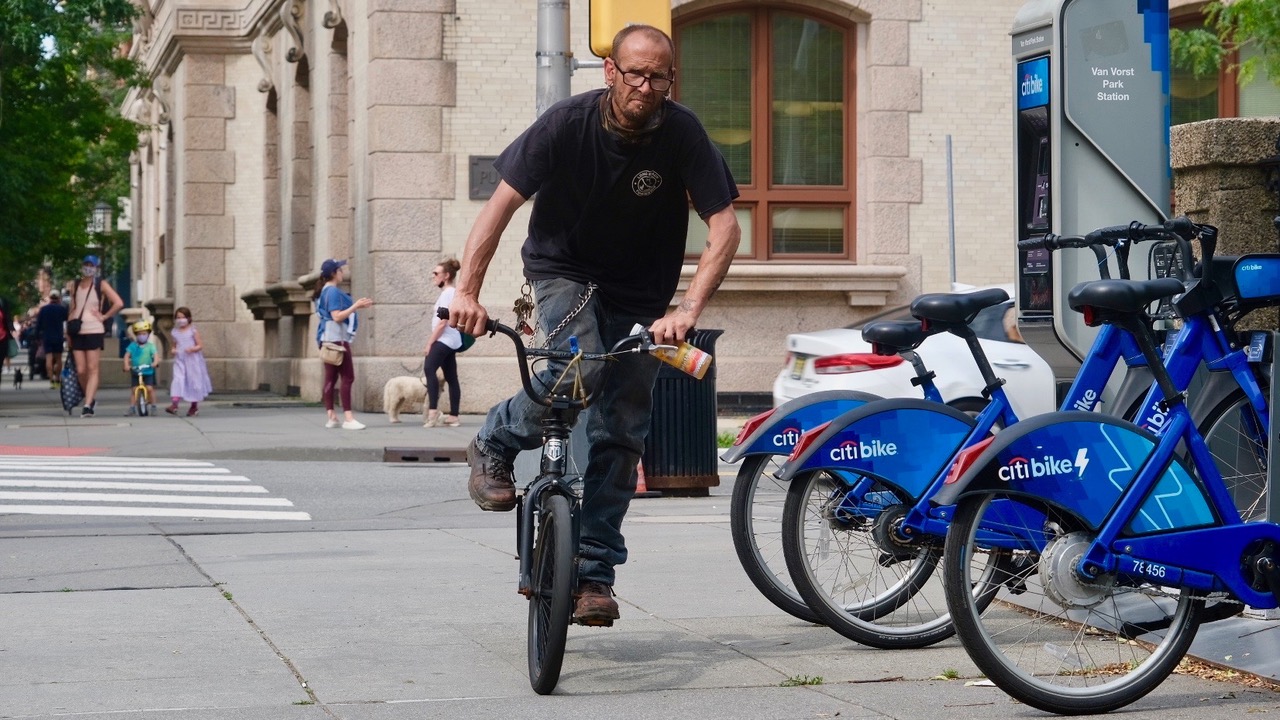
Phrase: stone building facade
x=278 y=133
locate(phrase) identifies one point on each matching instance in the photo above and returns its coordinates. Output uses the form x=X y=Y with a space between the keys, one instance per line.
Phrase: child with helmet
x=142 y=354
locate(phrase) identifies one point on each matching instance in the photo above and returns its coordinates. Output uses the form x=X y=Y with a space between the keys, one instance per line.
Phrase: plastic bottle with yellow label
x=685 y=358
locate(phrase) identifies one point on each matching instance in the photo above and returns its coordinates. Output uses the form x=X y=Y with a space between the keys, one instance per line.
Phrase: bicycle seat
x=1123 y=296
x=890 y=337
x=956 y=308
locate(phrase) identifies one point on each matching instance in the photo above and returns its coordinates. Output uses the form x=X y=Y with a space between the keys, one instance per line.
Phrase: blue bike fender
x=905 y=442
x=1081 y=463
x=778 y=434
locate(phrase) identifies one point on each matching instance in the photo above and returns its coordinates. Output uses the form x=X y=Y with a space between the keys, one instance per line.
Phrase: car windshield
x=988 y=325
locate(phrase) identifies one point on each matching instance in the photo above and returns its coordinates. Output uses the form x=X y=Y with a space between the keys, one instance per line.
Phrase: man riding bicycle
x=614 y=171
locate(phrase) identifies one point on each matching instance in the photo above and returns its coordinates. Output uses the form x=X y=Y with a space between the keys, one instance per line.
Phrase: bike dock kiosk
x=1091 y=129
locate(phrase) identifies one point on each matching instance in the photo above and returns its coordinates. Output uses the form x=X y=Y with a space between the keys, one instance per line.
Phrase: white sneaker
x=352 y=425
x=331 y=424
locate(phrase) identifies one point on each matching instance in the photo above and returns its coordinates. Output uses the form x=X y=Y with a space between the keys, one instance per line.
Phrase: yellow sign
x=610 y=16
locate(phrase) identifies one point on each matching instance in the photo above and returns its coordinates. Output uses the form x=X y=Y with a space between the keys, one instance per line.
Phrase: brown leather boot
x=491 y=485
x=595 y=604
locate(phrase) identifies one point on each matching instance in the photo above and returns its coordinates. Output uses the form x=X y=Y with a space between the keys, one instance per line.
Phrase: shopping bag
x=72 y=394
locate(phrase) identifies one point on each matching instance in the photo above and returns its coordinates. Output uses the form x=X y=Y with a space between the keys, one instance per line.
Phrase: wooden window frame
x=761 y=194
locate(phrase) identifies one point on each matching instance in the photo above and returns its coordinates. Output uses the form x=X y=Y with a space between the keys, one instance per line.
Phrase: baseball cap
x=329 y=266
x=91 y=260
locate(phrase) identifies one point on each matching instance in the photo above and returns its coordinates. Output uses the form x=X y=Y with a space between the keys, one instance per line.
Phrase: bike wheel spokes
x=1051 y=639
x=851 y=568
x=1235 y=438
x=755 y=519
x=551 y=592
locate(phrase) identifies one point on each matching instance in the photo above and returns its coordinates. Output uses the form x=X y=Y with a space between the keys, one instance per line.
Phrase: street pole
x=554 y=60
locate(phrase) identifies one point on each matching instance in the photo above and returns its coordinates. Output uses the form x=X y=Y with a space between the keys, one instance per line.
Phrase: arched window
x=774 y=89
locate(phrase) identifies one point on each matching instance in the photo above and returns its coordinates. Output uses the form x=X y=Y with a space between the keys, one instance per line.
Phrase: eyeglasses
x=635 y=79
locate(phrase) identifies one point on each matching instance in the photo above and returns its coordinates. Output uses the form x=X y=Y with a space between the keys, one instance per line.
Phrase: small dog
x=17 y=378
x=403 y=393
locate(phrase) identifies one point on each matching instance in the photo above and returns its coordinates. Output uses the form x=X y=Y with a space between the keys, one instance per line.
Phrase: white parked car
x=840 y=359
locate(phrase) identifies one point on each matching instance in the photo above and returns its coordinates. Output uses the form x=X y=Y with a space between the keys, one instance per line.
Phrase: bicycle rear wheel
x=1052 y=640
x=551 y=591
x=755 y=522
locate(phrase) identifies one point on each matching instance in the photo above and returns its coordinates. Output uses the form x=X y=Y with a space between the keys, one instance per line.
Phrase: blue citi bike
x=765 y=441
x=862 y=528
x=1111 y=544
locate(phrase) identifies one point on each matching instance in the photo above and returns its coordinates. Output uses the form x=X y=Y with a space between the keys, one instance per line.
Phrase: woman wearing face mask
x=190 y=373
x=442 y=350
x=87 y=297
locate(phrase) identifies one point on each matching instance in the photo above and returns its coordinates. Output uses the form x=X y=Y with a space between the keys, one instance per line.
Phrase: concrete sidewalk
x=262 y=426
x=250 y=425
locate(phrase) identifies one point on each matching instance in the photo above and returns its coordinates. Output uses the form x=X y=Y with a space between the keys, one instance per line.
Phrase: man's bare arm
x=722 y=243
x=465 y=312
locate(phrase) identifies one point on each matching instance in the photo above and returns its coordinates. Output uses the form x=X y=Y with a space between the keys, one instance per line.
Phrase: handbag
x=332 y=353
x=73 y=327
x=13 y=349
x=467 y=341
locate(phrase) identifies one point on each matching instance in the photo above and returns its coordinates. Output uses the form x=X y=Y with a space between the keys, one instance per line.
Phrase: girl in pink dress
x=190 y=374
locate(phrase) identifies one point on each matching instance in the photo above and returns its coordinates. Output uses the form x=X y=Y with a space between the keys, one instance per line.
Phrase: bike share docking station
x=1091 y=129
x=1091 y=133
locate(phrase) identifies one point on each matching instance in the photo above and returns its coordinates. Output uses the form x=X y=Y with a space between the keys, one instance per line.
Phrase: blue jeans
x=616 y=425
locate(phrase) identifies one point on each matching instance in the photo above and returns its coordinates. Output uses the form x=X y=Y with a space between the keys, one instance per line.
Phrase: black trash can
x=680 y=452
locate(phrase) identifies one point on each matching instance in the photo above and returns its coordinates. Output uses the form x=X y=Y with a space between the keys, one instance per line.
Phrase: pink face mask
x=181 y=322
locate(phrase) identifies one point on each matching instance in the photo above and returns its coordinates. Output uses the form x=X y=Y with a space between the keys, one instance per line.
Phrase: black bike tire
x=967 y=619
x=140 y=401
x=763 y=562
x=858 y=625
x=551 y=591
x=1254 y=506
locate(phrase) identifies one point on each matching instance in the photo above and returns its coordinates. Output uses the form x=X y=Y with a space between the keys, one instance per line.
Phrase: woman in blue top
x=337 y=311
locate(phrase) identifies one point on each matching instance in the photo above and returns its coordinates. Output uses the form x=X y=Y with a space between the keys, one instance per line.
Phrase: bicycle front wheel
x=1051 y=639
x=551 y=592
x=755 y=521
x=842 y=554
x=1233 y=433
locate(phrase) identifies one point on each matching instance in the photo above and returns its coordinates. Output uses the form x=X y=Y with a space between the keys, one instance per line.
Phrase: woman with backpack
x=87 y=326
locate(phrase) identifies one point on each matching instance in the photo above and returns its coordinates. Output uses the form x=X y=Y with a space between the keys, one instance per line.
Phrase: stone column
x=207 y=224
x=405 y=174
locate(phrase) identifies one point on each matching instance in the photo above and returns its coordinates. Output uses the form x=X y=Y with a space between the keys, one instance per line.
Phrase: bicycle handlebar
x=1180 y=229
x=642 y=341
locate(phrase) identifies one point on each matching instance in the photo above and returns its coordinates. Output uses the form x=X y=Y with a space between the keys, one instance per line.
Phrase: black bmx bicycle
x=548 y=510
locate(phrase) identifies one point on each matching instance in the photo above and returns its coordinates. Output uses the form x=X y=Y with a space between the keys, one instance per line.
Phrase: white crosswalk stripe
x=144 y=487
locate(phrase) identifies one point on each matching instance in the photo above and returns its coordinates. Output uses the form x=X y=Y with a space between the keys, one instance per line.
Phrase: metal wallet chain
x=524 y=308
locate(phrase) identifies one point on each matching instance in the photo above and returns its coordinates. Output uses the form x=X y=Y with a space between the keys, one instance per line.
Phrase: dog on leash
x=402 y=393
x=17 y=378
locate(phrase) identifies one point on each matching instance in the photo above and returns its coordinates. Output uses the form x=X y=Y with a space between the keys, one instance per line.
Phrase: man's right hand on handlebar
x=468 y=315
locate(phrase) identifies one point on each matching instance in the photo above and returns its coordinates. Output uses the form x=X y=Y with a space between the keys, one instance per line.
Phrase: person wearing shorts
x=51 y=323
x=86 y=346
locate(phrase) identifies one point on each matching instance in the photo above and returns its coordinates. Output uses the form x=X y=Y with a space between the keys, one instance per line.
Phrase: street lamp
x=101 y=222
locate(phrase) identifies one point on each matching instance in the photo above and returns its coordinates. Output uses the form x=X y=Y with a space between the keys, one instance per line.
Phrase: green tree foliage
x=1240 y=24
x=63 y=144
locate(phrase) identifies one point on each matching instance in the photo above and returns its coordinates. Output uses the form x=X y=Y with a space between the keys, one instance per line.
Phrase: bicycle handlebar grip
x=1035 y=243
x=491 y=326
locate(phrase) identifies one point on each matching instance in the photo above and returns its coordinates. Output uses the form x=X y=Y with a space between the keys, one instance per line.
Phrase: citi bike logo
x=863 y=450
x=1087 y=402
x=1031 y=84
x=1251 y=266
x=786 y=437
x=1157 y=417
x=1021 y=468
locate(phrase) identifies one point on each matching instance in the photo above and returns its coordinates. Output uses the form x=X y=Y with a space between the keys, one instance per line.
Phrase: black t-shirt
x=50 y=320
x=611 y=212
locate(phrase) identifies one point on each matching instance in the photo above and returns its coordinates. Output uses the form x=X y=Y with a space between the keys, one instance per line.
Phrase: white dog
x=403 y=393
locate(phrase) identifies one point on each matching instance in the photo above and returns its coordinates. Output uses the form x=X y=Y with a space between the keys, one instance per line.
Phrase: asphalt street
x=347 y=587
